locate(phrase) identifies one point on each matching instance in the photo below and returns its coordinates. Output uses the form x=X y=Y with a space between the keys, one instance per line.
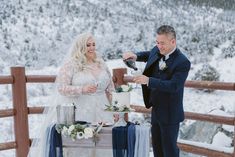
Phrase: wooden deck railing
x=20 y=110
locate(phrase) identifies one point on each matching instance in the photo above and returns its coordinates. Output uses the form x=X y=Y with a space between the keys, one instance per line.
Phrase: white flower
x=75 y=131
x=121 y=108
x=71 y=128
x=162 y=65
x=88 y=133
x=117 y=104
x=80 y=135
x=125 y=88
x=64 y=131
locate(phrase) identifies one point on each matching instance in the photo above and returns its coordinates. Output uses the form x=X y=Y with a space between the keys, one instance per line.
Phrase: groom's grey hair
x=166 y=29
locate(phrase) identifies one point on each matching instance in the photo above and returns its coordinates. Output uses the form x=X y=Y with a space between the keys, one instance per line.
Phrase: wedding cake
x=121 y=99
x=122 y=96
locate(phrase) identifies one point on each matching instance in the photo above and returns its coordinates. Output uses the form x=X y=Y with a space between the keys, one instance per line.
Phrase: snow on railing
x=228 y=150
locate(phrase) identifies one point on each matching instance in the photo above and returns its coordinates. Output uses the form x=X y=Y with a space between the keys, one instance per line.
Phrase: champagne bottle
x=130 y=63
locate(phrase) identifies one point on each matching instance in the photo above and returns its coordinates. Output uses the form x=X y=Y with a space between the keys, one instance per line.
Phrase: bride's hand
x=89 y=89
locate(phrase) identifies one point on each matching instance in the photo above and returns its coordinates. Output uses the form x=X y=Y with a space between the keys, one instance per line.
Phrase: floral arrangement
x=123 y=88
x=162 y=65
x=117 y=108
x=78 y=131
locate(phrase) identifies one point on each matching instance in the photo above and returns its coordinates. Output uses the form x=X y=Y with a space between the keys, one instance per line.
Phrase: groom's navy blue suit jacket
x=165 y=89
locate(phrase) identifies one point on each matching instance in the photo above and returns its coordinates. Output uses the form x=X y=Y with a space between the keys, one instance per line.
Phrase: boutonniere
x=162 y=65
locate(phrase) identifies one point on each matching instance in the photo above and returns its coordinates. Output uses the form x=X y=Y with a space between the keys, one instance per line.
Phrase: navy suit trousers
x=164 y=140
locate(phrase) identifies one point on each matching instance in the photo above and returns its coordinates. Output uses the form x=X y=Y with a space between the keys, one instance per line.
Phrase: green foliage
x=228 y=52
x=115 y=108
x=76 y=131
x=123 y=88
x=207 y=73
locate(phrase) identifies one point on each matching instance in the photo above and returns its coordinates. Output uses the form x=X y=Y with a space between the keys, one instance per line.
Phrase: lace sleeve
x=110 y=87
x=64 y=81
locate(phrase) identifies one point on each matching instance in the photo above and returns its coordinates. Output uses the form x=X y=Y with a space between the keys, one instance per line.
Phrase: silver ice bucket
x=65 y=114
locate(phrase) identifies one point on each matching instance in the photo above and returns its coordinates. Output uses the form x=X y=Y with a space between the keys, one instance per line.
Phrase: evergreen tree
x=40 y=9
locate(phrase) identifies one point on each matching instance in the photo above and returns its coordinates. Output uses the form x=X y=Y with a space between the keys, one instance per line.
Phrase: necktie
x=161 y=56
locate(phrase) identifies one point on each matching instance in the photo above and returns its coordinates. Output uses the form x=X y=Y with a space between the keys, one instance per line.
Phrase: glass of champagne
x=136 y=73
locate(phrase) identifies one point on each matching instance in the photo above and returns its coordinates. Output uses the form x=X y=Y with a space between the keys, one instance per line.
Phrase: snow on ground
x=221 y=140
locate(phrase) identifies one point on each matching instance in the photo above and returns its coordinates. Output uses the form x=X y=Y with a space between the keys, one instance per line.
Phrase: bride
x=84 y=80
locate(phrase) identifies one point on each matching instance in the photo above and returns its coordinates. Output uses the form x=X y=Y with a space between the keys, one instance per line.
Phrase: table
x=104 y=142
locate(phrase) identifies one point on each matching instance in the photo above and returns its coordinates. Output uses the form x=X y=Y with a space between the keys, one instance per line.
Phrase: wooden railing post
x=21 y=111
x=234 y=138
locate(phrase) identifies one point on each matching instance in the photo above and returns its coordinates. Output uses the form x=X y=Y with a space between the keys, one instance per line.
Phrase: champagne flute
x=137 y=73
x=97 y=83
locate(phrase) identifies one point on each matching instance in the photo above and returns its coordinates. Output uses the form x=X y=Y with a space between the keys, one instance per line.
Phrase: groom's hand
x=141 y=79
x=127 y=55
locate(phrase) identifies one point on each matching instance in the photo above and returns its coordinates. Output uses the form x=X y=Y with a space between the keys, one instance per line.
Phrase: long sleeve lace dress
x=89 y=107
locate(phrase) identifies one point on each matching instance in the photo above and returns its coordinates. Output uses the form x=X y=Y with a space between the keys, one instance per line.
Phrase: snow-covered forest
x=37 y=34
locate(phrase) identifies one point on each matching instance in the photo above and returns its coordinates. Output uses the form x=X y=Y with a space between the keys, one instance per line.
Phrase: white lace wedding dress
x=89 y=107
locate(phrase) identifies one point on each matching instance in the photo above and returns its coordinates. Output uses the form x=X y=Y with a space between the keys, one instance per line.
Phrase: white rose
x=64 y=131
x=162 y=65
x=118 y=104
x=71 y=128
x=125 y=88
x=88 y=132
x=80 y=135
x=121 y=108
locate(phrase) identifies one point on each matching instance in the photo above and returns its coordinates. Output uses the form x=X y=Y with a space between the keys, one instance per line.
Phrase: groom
x=163 y=87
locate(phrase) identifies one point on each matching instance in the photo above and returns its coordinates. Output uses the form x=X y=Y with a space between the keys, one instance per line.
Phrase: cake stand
x=121 y=121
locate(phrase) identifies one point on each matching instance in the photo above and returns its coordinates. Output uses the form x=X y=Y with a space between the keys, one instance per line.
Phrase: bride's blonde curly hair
x=79 y=49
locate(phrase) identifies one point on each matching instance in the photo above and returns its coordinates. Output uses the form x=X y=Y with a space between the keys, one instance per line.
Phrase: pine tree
x=25 y=21
x=40 y=9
